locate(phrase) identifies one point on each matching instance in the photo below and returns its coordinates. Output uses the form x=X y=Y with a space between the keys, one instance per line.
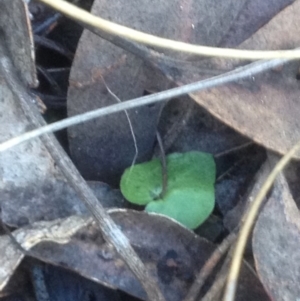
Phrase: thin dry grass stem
x=209 y=266
x=248 y=223
x=128 y=119
x=83 y=16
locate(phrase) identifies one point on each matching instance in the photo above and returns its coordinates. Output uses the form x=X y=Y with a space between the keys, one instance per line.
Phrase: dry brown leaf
x=253 y=15
x=58 y=231
x=30 y=179
x=276 y=241
x=55 y=199
x=265 y=108
x=172 y=254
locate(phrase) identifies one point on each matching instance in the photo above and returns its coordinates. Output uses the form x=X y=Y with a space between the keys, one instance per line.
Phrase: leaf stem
x=163 y=165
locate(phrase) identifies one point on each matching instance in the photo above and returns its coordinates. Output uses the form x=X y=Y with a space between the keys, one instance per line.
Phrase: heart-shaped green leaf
x=190 y=196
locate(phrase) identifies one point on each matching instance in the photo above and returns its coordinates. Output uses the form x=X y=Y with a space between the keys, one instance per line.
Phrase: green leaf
x=190 y=196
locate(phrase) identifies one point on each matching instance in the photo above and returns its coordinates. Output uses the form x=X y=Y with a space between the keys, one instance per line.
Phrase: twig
x=43 y=28
x=109 y=229
x=234 y=149
x=55 y=46
x=164 y=168
x=237 y=74
x=209 y=266
x=85 y=17
x=50 y=79
x=215 y=291
x=51 y=101
x=229 y=170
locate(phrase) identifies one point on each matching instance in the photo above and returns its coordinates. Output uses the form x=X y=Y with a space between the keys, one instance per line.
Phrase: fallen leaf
x=253 y=15
x=30 y=179
x=55 y=199
x=276 y=240
x=58 y=231
x=266 y=107
x=171 y=253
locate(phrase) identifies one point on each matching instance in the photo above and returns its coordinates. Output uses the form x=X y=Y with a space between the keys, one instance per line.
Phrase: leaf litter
x=266 y=87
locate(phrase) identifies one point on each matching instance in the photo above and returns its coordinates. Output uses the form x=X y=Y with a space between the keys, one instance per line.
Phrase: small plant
x=189 y=196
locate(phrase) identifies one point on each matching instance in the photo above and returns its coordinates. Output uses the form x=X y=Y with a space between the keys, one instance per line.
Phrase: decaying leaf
x=265 y=108
x=55 y=200
x=30 y=179
x=253 y=15
x=15 y=24
x=276 y=241
x=172 y=254
x=58 y=231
